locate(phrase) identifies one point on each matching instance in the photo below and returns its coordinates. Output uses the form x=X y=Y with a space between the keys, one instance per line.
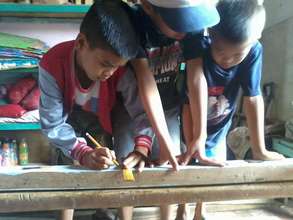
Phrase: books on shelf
x=8 y=64
x=19 y=58
x=20 y=52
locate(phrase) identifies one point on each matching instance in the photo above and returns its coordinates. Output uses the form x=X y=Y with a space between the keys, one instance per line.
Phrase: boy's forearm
x=190 y=137
x=254 y=111
x=153 y=106
x=198 y=95
x=187 y=124
x=151 y=101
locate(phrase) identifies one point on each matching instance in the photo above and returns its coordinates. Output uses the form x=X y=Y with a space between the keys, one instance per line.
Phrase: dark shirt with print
x=164 y=55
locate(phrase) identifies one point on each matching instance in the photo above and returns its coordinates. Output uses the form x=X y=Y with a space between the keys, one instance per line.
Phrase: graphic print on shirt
x=164 y=63
x=218 y=105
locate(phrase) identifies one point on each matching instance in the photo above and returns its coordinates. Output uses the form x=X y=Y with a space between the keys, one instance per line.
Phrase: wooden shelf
x=39 y=11
x=19 y=126
x=33 y=11
x=9 y=77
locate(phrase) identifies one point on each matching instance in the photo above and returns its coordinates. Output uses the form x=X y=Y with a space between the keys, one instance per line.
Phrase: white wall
x=49 y=31
x=278 y=11
x=278 y=55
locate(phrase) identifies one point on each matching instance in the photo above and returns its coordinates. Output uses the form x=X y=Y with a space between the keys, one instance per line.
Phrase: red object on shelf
x=20 y=89
x=31 y=101
x=11 y=111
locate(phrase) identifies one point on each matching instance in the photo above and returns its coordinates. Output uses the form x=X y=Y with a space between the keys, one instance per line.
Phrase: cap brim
x=191 y=19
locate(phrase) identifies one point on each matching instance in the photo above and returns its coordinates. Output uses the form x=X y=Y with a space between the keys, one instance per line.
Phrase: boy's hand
x=185 y=158
x=100 y=158
x=138 y=158
x=166 y=155
x=197 y=150
x=268 y=155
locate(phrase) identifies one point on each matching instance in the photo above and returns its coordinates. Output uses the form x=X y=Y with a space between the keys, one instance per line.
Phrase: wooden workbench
x=65 y=187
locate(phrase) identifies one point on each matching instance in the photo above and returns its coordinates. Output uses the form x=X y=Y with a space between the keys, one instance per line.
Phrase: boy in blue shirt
x=231 y=59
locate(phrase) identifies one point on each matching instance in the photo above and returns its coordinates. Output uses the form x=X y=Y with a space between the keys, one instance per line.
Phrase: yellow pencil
x=99 y=146
x=127 y=173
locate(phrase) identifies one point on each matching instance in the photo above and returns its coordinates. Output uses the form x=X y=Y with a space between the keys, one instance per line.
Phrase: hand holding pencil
x=98 y=146
x=99 y=158
x=127 y=173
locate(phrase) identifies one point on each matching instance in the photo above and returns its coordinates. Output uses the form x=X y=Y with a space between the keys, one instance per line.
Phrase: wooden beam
x=65 y=187
x=59 y=200
x=71 y=178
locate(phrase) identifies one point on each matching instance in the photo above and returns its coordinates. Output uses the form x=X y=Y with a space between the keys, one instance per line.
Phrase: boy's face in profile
x=96 y=63
x=227 y=54
x=166 y=30
x=160 y=23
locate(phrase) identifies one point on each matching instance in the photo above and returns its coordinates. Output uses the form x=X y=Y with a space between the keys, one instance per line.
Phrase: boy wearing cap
x=163 y=28
x=231 y=59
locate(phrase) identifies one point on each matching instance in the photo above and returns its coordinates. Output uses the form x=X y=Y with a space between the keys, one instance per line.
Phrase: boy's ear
x=147 y=7
x=80 y=41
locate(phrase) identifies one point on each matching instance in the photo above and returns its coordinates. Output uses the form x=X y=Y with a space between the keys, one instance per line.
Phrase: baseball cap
x=187 y=15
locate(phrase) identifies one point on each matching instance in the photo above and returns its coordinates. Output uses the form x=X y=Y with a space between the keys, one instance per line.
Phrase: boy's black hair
x=239 y=19
x=107 y=25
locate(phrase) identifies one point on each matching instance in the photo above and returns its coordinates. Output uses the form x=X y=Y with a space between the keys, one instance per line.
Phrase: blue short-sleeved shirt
x=164 y=55
x=224 y=86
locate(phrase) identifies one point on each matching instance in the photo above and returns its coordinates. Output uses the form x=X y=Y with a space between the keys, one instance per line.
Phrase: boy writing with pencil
x=84 y=74
x=231 y=59
x=79 y=79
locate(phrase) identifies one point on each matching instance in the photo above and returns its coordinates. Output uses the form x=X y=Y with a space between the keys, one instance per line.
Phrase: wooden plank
x=58 y=200
x=71 y=178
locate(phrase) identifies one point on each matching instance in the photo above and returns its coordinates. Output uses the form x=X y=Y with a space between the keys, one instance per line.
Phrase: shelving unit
x=14 y=10
x=11 y=76
x=42 y=11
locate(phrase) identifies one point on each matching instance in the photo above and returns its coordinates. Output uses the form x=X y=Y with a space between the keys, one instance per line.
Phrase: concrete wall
x=278 y=55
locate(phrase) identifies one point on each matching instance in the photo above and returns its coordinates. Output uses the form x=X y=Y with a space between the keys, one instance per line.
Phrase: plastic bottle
x=13 y=152
x=23 y=152
x=6 y=153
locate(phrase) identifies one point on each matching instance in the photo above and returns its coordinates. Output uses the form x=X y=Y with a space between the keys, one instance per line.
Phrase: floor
x=251 y=210
x=230 y=210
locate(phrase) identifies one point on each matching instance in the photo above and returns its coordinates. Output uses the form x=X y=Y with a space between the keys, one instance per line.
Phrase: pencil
x=99 y=146
x=127 y=174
